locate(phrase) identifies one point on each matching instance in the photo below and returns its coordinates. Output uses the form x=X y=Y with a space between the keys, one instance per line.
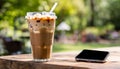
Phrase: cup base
x=41 y=60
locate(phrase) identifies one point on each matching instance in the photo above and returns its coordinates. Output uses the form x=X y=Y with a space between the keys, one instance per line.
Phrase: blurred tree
x=114 y=9
x=101 y=12
x=12 y=10
x=1 y=3
x=73 y=12
x=92 y=7
x=77 y=13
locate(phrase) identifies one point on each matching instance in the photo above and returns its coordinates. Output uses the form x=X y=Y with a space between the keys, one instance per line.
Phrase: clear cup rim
x=41 y=13
x=51 y=14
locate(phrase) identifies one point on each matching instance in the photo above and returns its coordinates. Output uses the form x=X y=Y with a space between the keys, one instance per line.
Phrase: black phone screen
x=92 y=55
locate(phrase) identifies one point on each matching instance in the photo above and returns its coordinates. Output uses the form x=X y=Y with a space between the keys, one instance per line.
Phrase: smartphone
x=92 y=56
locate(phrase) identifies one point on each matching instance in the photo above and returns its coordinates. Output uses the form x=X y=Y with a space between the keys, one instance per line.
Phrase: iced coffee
x=41 y=27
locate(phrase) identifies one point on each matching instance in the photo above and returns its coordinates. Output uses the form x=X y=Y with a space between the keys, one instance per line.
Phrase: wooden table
x=60 y=61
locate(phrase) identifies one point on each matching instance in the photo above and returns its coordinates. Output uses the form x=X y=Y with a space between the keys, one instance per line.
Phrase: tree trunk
x=92 y=7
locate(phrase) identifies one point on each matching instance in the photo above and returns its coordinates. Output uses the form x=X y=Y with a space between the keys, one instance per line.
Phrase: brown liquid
x=41 y=36
x=42 y=43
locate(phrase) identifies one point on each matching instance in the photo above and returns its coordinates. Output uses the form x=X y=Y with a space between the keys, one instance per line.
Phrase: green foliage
x=114 y=9
x=76 y=13
x=12 y=13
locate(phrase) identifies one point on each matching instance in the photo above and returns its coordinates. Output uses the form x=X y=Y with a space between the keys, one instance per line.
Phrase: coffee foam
x=36 y=26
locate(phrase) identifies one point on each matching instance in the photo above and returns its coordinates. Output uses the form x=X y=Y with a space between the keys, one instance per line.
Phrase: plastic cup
x=41 y=26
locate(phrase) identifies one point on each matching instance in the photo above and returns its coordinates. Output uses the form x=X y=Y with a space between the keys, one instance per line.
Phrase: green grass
x=60 y=47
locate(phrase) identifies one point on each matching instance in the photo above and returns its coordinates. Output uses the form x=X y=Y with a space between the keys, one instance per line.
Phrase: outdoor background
x=80 y=24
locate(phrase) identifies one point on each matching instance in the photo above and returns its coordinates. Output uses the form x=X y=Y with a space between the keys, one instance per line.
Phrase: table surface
x=62 y=60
